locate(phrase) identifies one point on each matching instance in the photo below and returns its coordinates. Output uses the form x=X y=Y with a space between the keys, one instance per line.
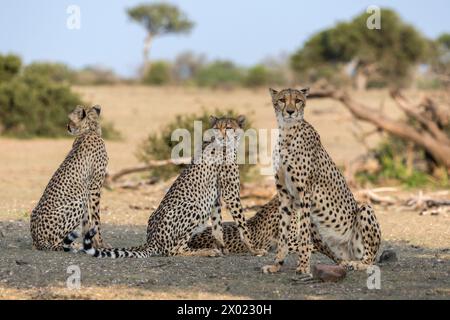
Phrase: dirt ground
x=422 y=243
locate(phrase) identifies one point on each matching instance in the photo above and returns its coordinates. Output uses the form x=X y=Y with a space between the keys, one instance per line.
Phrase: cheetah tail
x=114 y=253
x=67 y=241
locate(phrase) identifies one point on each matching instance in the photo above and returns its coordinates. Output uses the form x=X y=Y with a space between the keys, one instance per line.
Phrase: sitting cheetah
x=188 y=203
x=309 y=183
x=73 y=194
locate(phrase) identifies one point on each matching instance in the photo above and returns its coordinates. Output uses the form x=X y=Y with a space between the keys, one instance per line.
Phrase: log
x=114 y=177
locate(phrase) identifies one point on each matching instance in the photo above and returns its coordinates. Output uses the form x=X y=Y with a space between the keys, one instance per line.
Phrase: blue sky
x=245 y=31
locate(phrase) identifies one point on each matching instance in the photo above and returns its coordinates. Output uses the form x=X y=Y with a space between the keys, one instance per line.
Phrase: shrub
x=57 y=72
x=159 y=74
x=35 y=103
x=257 y=76
x=405 y=163
x=158 y=146
x=35 y=106
x=219 y=74
x=95 y=75
x=9 y=66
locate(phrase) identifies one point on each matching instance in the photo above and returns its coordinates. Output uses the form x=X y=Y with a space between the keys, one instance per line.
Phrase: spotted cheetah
x=73 y=194
x=310 y=185
x=192 y=199
x=263 y=228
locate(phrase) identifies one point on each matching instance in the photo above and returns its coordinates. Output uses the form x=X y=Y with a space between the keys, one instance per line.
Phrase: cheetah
x=73 y=194
x=310 y=185
x=193 y=198
x=263 y=228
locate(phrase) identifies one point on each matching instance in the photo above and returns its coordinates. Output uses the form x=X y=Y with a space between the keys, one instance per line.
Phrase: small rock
x=328 y=273
x=22 y=262
x=388 y=255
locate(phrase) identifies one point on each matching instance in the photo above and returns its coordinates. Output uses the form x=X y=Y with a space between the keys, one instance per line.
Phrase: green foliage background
x=158 y=146
x=35 y=100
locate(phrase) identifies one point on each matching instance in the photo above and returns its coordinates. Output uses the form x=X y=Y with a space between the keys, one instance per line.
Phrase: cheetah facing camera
x=310 y=185
x=191 y=200
x=73 y=194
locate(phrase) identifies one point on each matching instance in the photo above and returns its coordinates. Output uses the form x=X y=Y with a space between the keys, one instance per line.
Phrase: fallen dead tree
x=430 y=135
x=113 y=178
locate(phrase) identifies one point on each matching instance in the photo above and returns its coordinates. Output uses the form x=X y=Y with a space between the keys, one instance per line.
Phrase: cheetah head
x=227 y=130
x=84 y=119
x=289 y=104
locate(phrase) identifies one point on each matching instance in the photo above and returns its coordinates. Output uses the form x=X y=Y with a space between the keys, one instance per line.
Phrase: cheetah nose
x=290 y=112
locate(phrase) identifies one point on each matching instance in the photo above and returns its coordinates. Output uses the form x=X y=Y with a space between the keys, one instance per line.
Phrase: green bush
x=158 y=146
x=95 y=75
x=35 y=106
x=257 y=76
x=219 y=74
x=159 y=74
x=56 y=72
x=9 y=66
x=409 y=165
x=34 y=103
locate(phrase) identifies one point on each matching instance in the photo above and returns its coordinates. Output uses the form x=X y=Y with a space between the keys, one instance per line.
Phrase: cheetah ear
x=97 y=109
x=241 y=121
x=83 y=113
x=212 y=120
x=305 y=91
x=273 y=92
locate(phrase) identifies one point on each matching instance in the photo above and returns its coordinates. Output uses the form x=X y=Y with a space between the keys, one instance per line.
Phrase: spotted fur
x=310 y=187
x=72 y=197
x=193 y=198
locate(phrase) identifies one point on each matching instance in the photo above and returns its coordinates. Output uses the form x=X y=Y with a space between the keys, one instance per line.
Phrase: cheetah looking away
x=192 y=199
x=73 y=194
x=310 y=185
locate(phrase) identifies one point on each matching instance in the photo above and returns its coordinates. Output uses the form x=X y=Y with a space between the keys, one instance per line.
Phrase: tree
x=388 y=53
x=440 y=58
x=159 y=19
x=9 y=66
x=187 y=65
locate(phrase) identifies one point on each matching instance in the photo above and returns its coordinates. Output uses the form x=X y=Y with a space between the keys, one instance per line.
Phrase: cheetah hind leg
x=365 y=241
x=188 y=252
x=65 y=245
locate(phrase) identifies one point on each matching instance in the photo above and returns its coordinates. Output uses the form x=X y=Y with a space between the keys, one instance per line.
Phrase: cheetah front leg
x=285 y=211
x=216 y=225
x=230 y=188
x=305 y=247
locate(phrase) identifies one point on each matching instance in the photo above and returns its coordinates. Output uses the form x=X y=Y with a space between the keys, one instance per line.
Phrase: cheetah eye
x=283 y=100
x=229 y=128
x=298 y=101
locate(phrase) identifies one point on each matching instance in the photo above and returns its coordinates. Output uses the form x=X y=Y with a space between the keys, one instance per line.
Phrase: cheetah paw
x=271 y=268
x=215 y=253
x=307 y=278
x=259 y=252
